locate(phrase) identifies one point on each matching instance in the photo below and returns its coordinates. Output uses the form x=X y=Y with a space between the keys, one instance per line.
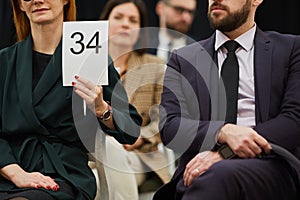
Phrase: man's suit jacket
x=189 y=122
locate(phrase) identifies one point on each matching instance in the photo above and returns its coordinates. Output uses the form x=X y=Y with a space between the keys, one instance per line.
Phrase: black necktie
x=230 y=77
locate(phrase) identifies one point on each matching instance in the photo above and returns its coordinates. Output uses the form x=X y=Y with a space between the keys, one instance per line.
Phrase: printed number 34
x=82 y=46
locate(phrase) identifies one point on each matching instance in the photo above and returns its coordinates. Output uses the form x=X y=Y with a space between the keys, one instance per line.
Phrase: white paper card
x=85 y=51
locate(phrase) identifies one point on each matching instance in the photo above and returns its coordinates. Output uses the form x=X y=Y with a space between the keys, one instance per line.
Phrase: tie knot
x=231 y=46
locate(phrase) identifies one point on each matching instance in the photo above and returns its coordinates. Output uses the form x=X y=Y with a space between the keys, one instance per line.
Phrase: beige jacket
x=143 y=83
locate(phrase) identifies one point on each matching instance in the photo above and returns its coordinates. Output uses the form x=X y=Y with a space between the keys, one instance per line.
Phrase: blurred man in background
x=175 y=20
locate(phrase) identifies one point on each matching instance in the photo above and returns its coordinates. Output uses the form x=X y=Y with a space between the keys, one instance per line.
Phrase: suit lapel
x=50 y=76
x=262 y=74
x=212 y=74
x=24 y=83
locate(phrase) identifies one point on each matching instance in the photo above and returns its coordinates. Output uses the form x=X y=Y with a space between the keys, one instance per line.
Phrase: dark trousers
x=27 y=195
x=37 y=194
x=243 y=179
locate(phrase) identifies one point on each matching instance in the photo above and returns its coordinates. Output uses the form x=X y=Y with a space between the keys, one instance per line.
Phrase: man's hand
x=199 y=164
x=244 y=141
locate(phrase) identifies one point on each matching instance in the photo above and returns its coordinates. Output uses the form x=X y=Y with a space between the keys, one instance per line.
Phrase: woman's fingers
x=87 y=90
x=35 y=180
x=41 y=181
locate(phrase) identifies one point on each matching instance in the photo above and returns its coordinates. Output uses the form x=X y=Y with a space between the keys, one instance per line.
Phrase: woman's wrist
x=100 y=110
x=11 y=171
x=106 y=114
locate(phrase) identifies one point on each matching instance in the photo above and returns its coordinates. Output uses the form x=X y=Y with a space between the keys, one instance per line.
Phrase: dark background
x=279 y=15
x=7 y=32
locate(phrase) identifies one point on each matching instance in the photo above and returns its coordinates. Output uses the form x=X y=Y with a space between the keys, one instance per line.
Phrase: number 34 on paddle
x=85 y=51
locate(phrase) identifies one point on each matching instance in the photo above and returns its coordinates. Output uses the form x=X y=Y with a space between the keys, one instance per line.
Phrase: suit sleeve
x=284 y=129
x=7 y=156
x=183 y=127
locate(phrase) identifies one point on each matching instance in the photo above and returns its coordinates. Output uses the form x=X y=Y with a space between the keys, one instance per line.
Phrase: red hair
x=22 y=23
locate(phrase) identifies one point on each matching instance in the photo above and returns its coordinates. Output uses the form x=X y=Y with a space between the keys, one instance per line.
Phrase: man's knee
x=222 y=171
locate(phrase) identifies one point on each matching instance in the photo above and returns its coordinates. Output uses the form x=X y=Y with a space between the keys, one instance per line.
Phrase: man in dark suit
x=255 y=153
x=175 y=20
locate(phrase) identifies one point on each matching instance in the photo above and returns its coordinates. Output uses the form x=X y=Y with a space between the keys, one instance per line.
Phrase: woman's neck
x=45 y=40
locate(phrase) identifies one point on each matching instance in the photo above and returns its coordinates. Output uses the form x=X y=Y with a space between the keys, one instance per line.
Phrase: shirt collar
x=164 y=39
x=246 y=40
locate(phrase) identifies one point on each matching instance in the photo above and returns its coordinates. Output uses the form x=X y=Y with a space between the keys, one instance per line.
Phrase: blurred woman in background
x=142 y=76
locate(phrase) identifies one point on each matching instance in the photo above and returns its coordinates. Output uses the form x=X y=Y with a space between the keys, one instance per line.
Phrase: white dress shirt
x=245 y=56
x=166 y=45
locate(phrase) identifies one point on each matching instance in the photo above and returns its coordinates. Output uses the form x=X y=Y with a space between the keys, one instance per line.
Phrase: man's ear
x=159 y=8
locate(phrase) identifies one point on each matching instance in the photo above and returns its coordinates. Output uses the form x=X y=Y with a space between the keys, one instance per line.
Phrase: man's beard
x=174 y=32
x=232 y=21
